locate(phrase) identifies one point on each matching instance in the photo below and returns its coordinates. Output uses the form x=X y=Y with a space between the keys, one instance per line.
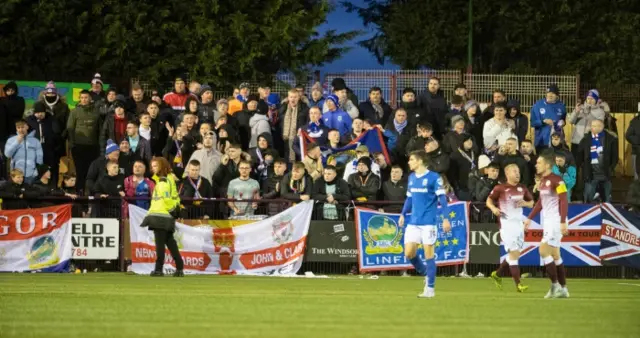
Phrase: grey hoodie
x=581 y=119
x=259 y=124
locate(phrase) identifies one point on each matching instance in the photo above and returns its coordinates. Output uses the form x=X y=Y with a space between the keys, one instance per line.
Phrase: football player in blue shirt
x=425 y=191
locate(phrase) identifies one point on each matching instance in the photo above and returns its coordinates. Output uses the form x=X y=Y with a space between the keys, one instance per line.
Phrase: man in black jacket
x=110 y=185
x=12 y=109
x=364 y=183
x=139 y=145
x=521 y=122
x=44 y=188
x=508 y=154
x=417 y=142
x=486 y=183
x=136 y=103
x=463 y=160
x=394 y=189
x=433 y=101
x=633 y=137
x=375 y=109
x=49 y=133
x=331 y=194
x=437 y=160
x=598 y=159
x=228 y=169
x=115 y=125
x=527 y=152
x=196 y=187
x=97 y=168
x=415 y=114
x=296 y=186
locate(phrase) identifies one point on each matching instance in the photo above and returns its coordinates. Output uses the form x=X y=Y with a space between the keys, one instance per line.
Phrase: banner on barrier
x=274 y=246
x=332 y=241
x=580 y=248
x=620 y=241
x=381 y=240
x=30 y=90
x=95 y=238
x=35 y=239
x=484 y=243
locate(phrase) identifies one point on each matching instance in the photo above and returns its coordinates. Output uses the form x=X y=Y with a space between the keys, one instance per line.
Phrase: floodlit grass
x=118 y=305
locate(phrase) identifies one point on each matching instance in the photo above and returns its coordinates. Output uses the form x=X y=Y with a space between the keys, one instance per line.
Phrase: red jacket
x=177 y=101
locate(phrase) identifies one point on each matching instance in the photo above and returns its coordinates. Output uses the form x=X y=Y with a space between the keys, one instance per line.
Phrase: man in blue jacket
x=548 y=117
x=25 y=151
x=336 y=118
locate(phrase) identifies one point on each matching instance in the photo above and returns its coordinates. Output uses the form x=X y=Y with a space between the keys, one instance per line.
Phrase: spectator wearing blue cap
x=582 y=116
x=548 y=117
x=336 y=118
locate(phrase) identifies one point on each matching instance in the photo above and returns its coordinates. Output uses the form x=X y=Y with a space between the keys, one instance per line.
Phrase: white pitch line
x=629 y=284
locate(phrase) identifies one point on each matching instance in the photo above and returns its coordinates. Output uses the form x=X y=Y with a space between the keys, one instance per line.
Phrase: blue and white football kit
x=423 y=195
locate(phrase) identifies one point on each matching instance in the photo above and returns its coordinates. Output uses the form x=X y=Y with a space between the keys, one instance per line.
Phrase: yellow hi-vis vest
x=165 y=196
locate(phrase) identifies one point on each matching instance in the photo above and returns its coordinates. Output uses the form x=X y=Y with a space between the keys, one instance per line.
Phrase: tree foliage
x=219 y=41
x=598 y=39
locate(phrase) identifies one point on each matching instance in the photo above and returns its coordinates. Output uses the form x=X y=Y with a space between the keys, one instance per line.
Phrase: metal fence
x=623 y=98
x=209 y=210
x=280 y=83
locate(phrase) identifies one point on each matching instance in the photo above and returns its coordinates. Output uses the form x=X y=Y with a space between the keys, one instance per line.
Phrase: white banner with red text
x=35 y=239
x=273 y=246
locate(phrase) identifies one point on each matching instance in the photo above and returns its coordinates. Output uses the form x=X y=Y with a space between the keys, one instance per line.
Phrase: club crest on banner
x=383 y=235
x=44 y=252
x=282 y=229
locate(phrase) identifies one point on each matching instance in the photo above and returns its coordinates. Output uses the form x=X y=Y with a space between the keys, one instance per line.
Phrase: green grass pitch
x=119 y=305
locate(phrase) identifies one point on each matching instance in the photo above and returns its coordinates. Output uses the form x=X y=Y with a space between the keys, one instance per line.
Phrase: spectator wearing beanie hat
x=548 y=117
x=97 y=169
x=207 y=107
x=56 y=106
x=97 y=92
x=364 y=184
x=336 y=118
x=48 y=132
x=454 y=138
x=581 y=118
x=115 y=125
x=476 y=173
x=341 y=84
x=45 y=187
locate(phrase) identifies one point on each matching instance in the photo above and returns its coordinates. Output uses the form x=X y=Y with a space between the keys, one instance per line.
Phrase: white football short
x=423 y=234
x=512 y=239
x=551 y=233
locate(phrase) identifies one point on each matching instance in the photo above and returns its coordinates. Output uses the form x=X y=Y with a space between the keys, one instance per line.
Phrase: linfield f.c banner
x=381 y=240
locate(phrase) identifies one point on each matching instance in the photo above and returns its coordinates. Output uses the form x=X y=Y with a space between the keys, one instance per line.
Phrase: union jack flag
x=620 y=242
x=580 y=248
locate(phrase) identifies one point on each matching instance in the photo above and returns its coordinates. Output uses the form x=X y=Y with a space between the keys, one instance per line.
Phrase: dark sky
x=358 y=57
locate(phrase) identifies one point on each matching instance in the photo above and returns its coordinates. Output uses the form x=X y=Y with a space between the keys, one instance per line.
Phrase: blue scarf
x=596 y=147
x=399 y=126
x=315 y=130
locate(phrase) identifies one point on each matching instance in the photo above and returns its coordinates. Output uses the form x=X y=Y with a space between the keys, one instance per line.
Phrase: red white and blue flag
x=580 y=248
x=620 y=241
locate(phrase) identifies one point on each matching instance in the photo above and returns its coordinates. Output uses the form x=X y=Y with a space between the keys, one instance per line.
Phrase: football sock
x=515 y=271
x=562 y=274
x=431 y=272
x=502 y=268
x=417 y=263
x=550 y=266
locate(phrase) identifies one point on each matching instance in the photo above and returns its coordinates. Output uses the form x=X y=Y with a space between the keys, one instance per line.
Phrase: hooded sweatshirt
x=520 y=121
x=82 y=125
x=13 y=107
x=259 y=124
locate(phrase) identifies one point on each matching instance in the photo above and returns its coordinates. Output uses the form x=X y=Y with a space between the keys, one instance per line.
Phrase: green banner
x=31 y=89
x=484 y=243
x=331 y=241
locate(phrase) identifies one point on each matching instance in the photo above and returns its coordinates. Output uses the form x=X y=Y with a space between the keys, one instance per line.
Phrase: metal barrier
x=212 y=210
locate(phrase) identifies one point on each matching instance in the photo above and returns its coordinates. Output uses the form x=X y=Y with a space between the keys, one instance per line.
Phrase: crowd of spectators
x=247 y=147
